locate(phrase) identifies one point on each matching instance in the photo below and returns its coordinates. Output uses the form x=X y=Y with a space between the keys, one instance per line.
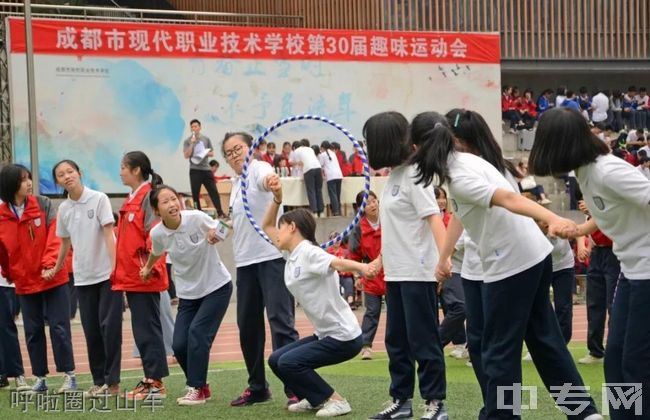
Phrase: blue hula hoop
x=267 y=132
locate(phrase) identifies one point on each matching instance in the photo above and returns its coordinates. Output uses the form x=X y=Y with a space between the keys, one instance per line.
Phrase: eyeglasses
x=234 y=152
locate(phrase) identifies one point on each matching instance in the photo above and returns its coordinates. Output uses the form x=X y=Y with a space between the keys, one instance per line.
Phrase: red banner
x=119 y=39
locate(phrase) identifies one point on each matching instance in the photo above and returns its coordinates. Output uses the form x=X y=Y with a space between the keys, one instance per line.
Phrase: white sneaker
x=457 y=352
x=595 y=416
x=302 y=406
x=21 y=384
x=435 y=410
x=590 y=360
x=69 y=384
x=527 y=357
x=334 y=408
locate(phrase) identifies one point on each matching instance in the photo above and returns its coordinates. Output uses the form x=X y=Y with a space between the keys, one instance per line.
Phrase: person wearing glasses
x=260 y=273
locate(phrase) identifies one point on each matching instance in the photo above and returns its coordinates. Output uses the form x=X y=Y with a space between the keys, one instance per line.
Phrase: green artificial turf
x=363 y=383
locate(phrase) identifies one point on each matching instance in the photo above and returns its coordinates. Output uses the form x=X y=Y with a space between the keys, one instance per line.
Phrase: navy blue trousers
x=11 y=360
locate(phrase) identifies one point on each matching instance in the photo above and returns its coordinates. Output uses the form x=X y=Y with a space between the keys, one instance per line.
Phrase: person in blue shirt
x=544 y=102
x=570 y=101
x=629 y=108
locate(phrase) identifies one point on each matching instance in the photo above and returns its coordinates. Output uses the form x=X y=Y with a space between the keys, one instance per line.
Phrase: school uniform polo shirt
x=315 y=285
x=562 y=254
x=507 y=243
x=196 y=264
x=248 y=246
x=618 y=198
x=308 y=158
x=408 y=249
x=330 y=164
x=83 y=221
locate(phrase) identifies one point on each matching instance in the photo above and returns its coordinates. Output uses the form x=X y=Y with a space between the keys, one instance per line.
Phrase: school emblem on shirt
x=454 y=205
x=194 y=238
x=37 y=222
x=296 y=272
x=131 y=217
x=91 y=213
x=599 y=203
x=395 y=190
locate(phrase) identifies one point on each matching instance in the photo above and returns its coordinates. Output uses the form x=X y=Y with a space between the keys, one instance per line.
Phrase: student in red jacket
x=132 y=250
x=28 y=246
x=365 y=245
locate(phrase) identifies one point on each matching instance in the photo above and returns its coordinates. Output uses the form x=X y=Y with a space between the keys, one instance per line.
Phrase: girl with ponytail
x=516 y=279
x=133 y=247
x=412 y=234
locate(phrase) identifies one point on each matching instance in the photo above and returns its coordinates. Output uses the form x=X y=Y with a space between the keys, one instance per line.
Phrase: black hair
x=214 y=162
x=285 y=143
x=138 y=159
x=359 y=198
x=563 y=142
x=561 y=90
x=278 y=158
x=430 y=131
x=547 y=91
x=296 y=144
x=583 y=90
x=644 y=159
x=505 y=88
x=529 y=90
x=155 y=192
x=600 y=126
x=305 y=142
x=195 y=121
x=336 y=145
x=569 y=93
x=642 y=89
x=316 y=149
x=69 y=162
x=246 y=138
x=631 y=88
x=641 y=153
x=11 y=176
x=327 y=146
x=470 y=127
x=304 y=221
x=439 y=190
x=387 y=138
x=270 y=144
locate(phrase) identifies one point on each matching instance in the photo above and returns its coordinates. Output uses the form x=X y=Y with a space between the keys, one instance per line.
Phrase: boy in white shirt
x=312 y=174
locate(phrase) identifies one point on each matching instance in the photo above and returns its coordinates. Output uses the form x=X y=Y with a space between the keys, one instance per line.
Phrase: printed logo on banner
x=91 y=213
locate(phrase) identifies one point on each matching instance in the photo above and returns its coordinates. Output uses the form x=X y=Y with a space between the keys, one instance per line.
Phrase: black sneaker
x=249 y=397
x=434 y=410
x=4 y=381
x=398 y=409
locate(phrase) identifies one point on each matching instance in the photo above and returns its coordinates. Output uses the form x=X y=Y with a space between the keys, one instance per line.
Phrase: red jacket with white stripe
x=134 y=246
x=29 y=245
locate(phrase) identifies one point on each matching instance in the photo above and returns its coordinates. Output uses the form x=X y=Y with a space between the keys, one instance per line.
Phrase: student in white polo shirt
x=412 y=232
x=260 y=268
x=311 y=277
x=85 y=222
x=516 y=278
x=618 y=198
x=312 y=174
x=332 y=170
x=202 y=284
